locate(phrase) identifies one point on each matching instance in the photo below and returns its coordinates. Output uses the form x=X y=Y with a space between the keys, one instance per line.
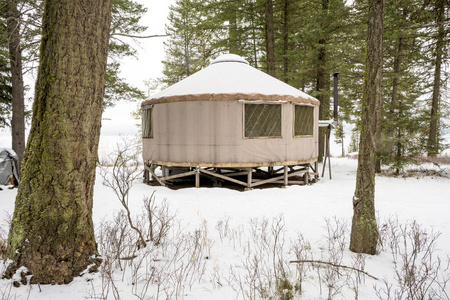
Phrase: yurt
x=230 y=122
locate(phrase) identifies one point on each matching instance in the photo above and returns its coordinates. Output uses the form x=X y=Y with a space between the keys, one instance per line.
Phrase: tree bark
x=233 y=32
x=433 y=138
x=321 y=83
x=254 y=35
x=18 y=102
x=270 y=43
x=396 y=105
x=286 y=29
x=364 y=233
x=52 y=233
x=385 y=144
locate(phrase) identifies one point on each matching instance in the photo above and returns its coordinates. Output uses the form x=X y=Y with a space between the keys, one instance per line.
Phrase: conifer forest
x=304 y=42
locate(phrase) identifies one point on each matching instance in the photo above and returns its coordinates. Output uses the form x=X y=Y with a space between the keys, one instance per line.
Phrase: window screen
x=262 y=120
x=304 y=120
x=147 y=122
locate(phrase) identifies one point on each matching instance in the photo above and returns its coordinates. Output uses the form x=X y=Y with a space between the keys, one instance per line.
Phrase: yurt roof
x=230 y=77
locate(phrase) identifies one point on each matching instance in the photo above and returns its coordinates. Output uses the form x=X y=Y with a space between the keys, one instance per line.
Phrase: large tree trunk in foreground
x=18 y=103
x=364 y=234
x=52 y=233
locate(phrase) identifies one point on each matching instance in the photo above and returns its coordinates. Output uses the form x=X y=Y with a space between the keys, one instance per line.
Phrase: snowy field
x=226 y=244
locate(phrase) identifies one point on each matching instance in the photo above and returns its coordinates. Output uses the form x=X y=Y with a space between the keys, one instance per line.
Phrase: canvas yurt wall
x=230 y=115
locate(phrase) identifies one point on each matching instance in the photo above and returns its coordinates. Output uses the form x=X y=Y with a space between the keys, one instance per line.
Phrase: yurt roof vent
x=229 y=58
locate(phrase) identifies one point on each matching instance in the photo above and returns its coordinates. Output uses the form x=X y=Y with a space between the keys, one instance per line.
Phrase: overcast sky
x=146 y=66
x=137 y=70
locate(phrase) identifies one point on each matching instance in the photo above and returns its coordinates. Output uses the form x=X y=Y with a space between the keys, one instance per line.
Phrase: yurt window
x=147 y=122
x=303 y=120
x=262 y=120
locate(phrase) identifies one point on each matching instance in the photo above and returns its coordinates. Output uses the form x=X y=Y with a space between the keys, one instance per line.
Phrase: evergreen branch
x=419 y=26
x=139 y=36
x=331 y=264
x=29 y=45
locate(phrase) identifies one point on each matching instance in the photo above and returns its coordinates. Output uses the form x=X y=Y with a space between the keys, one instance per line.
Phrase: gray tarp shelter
x=8 y=165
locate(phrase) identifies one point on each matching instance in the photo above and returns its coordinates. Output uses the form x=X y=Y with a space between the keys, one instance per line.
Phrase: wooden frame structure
x=329 y=125
x=200 y=129
x=255 y=176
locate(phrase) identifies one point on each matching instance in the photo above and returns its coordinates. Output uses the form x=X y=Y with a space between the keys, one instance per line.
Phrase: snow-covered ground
x=229 y=226
x=229 y=236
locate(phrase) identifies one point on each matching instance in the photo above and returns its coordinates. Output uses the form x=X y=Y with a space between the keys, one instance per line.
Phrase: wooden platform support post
x=316 y=170
x=307 y=175
x=197 y=177
x=152 y=172
x=146 y=176
x=286 y=175
x=249 y=178
x=327 y=151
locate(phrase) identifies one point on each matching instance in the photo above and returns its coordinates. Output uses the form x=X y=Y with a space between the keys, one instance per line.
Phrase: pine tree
x=364 y=235
x=440 y=16
x=12 y=15
x=52 y=232
x=189 y=46
x=322 y=49
x=269 y=37
x=126 y=15
x=5 y=93
x=21 y=22
x=401 y=122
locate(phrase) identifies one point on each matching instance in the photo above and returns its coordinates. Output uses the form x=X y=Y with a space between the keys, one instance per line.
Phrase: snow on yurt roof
x=230 y=77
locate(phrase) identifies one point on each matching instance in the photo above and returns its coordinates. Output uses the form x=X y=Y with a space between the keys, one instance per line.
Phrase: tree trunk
x=254 y=35
x=52 y=233
x=433 y=138
x=324 y=108
x=364 y=233
x=286 y=15
x=233 y=33
x=187 y=56
x=385 y=143
x=18 y=103
x=395 y=82
x=321 y=84
x=270 y=44
x=396 y=106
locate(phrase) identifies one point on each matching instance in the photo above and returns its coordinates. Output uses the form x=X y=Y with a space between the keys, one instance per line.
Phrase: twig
x=140 y=36
x=331 y=264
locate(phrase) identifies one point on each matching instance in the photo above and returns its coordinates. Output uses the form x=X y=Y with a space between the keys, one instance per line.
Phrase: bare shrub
x=4 y=236
x=223 y=227
x=120 y=178
x=217 y=277
x=302 y=252
x=182 y=262
x=173 y=261
x=158 y=219
x=116 y=241
x=264 y=272
x=356 y=278
x=420 y=273
x=337 y=232
x=6 y=293
x=170 y=267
